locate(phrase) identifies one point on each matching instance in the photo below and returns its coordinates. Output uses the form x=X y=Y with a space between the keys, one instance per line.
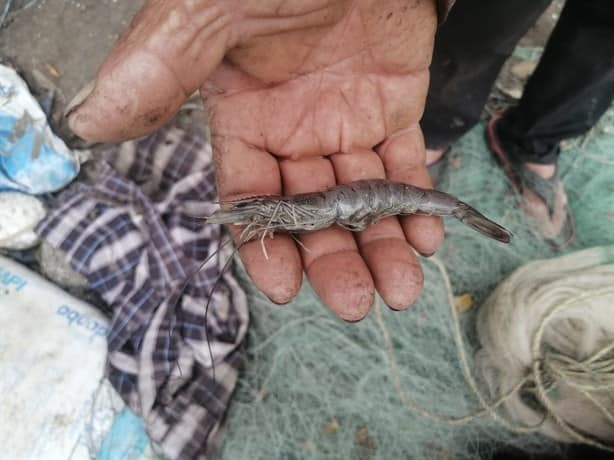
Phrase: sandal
x=543 y=200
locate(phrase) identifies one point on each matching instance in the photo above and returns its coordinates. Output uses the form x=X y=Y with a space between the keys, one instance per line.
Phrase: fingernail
x=80 y=98
x=352 y=321
x=281 y=304
x=426 y=254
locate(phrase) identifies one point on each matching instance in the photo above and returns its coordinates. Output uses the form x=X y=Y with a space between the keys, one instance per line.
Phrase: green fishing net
x=315 y=387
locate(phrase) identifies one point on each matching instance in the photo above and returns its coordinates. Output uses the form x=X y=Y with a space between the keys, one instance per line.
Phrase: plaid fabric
x=126 y=227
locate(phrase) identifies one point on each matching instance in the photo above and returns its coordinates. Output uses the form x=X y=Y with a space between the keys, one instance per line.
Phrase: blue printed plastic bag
x=32 y=159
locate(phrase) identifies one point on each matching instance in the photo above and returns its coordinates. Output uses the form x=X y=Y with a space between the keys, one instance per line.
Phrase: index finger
x=403 y=157
x=243 y=170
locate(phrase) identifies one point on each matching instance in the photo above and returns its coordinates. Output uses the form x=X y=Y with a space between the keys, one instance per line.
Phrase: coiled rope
x=547 y=356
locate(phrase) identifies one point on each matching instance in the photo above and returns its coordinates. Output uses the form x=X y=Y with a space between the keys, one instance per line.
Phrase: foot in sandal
x=543 y=197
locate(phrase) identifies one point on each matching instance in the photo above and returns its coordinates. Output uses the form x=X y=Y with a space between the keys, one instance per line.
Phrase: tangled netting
x=549 y=328
x=317 y=388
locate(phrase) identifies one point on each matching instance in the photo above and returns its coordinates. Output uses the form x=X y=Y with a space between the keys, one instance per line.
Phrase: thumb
x=167 y=52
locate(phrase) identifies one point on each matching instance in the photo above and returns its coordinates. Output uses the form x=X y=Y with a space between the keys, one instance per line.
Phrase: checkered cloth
x=127 y=227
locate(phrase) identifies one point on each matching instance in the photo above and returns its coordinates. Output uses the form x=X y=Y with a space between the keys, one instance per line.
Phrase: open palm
x=301 y=95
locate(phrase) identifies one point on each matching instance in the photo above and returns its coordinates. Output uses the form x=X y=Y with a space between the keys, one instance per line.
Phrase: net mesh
x=317 y=388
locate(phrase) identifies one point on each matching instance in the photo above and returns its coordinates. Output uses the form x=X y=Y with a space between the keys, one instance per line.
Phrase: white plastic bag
x=32 y=159
x=54 y=402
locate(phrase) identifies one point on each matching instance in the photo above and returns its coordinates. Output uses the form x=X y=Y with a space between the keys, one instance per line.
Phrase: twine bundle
x=550 y=327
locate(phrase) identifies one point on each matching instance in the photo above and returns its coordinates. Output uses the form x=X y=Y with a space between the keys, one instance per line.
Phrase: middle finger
x=391 y=260
x=331 y=259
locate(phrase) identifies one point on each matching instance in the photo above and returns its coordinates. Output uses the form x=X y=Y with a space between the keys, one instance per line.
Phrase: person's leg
x=571 y=88
x=470 y=49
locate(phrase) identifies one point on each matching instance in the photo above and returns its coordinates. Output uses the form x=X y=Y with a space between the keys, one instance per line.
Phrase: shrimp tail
x=480 y=223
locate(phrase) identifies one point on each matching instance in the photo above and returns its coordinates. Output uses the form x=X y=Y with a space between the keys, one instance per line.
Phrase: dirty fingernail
x=352 y=320
x=80 y=98
x=281 y=303
x=427 y=254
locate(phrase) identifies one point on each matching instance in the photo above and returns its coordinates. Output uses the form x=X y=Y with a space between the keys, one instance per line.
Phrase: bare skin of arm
x=301 y=95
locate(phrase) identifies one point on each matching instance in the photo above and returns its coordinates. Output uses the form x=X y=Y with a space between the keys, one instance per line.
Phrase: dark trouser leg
x=571 y=88
x=470 y=49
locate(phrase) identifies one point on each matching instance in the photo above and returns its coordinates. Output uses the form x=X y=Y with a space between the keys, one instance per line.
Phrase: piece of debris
x=456 y=162
x=364 y=439
x=464 y=302
x=19 y=216
x=262 y=394
x=54 y=266
x=52 y=70
x=332 y=427
x=33 y=159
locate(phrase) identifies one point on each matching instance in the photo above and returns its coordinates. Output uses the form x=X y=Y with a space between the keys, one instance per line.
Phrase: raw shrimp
x=352 y=206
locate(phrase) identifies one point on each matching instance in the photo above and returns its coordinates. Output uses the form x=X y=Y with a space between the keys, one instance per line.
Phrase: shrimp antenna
x=222 y=272
x=177 y=295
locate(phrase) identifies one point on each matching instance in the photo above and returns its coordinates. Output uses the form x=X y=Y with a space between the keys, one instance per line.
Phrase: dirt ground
x=59 y=44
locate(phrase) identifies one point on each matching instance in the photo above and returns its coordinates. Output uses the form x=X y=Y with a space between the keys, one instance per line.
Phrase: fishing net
x=314 y=387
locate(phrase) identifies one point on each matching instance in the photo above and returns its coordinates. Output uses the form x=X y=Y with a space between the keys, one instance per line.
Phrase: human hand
x=301 y=95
